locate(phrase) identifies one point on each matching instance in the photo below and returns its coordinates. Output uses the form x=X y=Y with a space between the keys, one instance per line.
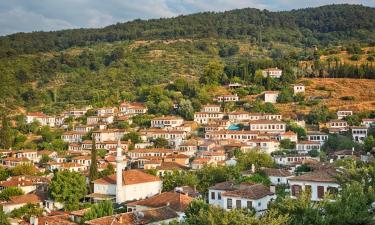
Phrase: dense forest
x=332 y=24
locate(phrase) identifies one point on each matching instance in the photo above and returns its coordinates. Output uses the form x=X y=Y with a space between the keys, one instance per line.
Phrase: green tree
x=286 y=144
x=93 y=172
x=258 y=77
x=212 y=72
x=9 y=192
x=186 y=109
x=351 y=207
x=68 y=188
x=101 y=209
x=285 y=95
x=27 y=211
x=23 y=169
x=369 y=143
x=6 y=136
x=4 y=173
x=132 y=136
x=3 y=218
x=160 y=142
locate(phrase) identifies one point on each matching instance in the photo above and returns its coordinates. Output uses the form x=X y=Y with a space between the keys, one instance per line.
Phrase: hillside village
x=142 y=170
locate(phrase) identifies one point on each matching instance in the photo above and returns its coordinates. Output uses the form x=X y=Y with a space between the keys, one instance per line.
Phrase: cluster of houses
x=210 y=139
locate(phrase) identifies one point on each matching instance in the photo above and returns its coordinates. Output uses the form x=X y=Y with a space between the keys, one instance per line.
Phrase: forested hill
x=323 y=25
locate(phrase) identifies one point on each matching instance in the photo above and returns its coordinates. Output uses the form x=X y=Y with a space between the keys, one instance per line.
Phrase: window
x=249 y=204
x=219 y=195
x=320 y=191
x=238 y=204
x=213 y=195
x=296 y=190
x=229 y=203
x=259 y=204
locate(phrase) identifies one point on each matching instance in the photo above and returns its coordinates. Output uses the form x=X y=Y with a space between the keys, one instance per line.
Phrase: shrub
x=355 y=57
x=347 y=98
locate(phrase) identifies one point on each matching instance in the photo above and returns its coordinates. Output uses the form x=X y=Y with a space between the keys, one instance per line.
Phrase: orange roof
x=129 y=177
x=174 y=200
x=24 y=199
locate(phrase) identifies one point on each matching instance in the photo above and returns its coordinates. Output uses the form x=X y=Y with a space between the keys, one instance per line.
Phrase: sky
x=47 y=15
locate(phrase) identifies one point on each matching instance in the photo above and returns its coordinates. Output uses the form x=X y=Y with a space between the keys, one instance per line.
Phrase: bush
x=347 y=98
x=355 y=57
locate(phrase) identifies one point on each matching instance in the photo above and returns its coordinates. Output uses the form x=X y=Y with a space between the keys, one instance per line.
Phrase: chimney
x=273 y=189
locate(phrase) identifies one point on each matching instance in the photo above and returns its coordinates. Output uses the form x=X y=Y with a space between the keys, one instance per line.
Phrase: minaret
x=119 y=193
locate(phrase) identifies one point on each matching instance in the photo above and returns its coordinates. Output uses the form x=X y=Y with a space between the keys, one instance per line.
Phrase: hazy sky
x=36 y=15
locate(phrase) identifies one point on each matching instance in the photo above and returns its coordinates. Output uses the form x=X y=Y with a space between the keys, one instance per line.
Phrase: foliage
x=132 y=136
x=245 y=160
x=287 y=144
x=259 y=178
x=369 y=143
x=93 y=171
x=185 y=109
x=4 y=173
x=351 y=207
x=27 y=211
x=6 y=136
x=285 y=96
x=68 y=188
x=9 y=192
x=338 y=142
x=320 y=115
x=3 y=218
x=160 y=143
x=212 y=73
x=23 y=169
x=177 y=179
x=101 y=209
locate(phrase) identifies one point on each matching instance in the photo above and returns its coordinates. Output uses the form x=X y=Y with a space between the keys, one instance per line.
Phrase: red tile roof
x=129 y=177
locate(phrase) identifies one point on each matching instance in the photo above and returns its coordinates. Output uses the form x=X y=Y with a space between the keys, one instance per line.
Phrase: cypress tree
x=6 y=134
x=93 y=174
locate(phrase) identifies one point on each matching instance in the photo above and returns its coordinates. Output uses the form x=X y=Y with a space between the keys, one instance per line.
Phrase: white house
x=108 y=135
x=272 y=72
x=287 y=160
x=227 y=98
x=132 y=108
x=341 y=114
x=359 y=133
x=368 y=122
x=298 y=88
x=270 y=96
x=73 y=136
x=211 y=108
x=229 y=196
x=306 y=146
x=43 y=119
x=206 y=117
x=317 y=183
x=167 y=121
x=269 y=126
x=317 y=136
x=277 y=176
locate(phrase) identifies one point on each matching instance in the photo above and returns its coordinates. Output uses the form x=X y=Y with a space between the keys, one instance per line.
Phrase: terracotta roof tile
x=129 y=177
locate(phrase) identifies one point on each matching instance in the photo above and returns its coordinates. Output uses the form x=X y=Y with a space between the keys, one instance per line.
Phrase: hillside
x=333 y=93
x=104 y=66
x=324 y=25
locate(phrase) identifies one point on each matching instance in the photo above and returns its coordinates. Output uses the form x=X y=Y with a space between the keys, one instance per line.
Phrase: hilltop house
x=359 y=133
x=132 y=108
x=270 y=96
x=341 y=114
x=272 y=72
x=298 y=88
x=40 y=117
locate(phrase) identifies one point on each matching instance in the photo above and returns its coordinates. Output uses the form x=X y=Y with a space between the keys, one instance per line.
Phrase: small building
x=40 y=117
x=17 y=202
x=269 y=126
x=359 y=133
x=317 y=183
x=270 y=96
x=298 y=88
x=306 y=146
x=228 y=195
x=73 y=136
x=211 y=108
x=227 y=98
x=368 y=122
x=132 y=108
x=277 y=176
x=207 y=117
x=341 y=114
x=272 y=72
x=167 y=121
x=317 y=136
